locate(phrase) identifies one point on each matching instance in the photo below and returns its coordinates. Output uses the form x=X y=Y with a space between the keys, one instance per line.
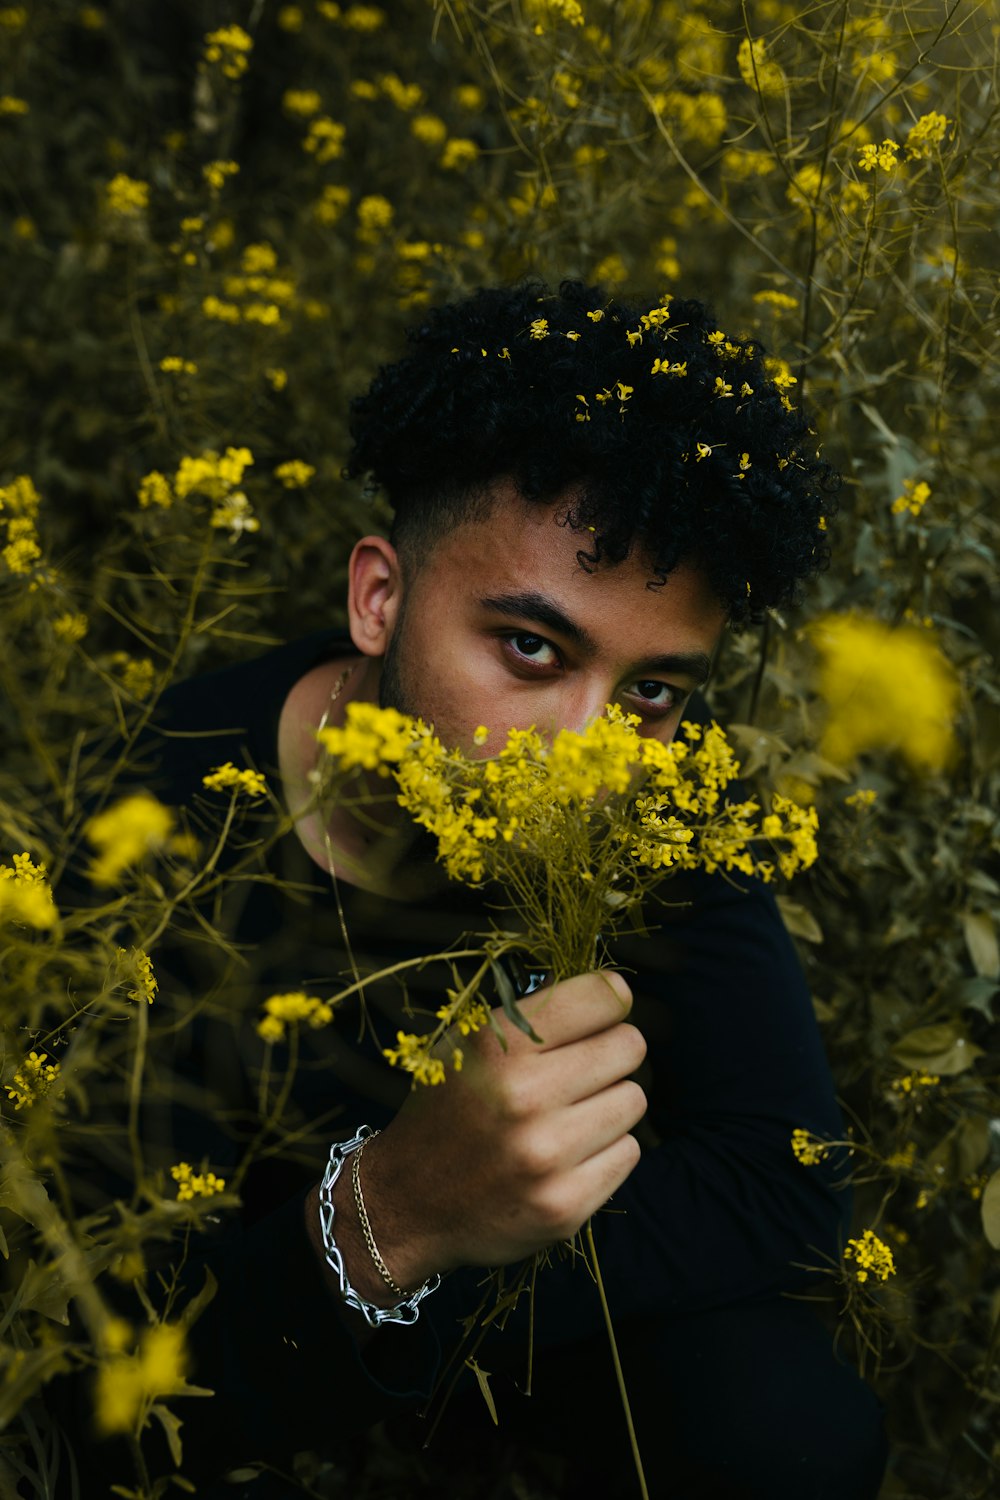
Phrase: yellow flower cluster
x=871 y=1256
x=10 y=104
x=926 y=135
x=913 y=1082
x=374 y=218
x=19 y=502
x=137 y=966
x=126 y=197
x=33 y=1080
x=230 y=48
x=372 y=739
x=915 y=496
x=808 y=1148
x=412 y=1054
x=172 y=364
x=758 y=71
x=125 y=833
x=25 y=894
x=885 y=156
x=213 y=476
x=324 y=140
x=126 y=1384
x=330 y=205
x=192 y=1184
x=217 y=173
x=862 y=799
x=542 y=11
x=294 y=474
x=281 y=1011
x=301 y=103
x=459 y=153
x=883 y=689
x=250 y=783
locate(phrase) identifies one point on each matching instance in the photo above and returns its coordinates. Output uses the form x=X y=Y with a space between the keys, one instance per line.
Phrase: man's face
x=502 y=627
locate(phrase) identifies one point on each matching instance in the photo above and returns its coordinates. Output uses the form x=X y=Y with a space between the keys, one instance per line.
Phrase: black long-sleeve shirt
x=717 y=1210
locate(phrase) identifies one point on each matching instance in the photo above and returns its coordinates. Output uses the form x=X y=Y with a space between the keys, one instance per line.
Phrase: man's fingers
x=575 y=1008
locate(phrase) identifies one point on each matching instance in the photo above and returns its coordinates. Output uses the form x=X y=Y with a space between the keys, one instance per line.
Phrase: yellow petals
x=884 y=688
x=227 y=777
x=281 y=1011
x=125 y=834
x=871 y=1256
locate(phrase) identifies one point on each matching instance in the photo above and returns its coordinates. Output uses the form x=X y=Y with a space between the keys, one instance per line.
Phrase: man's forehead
x=524 y=561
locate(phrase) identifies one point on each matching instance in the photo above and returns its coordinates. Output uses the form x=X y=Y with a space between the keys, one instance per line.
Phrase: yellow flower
x=430 y=129
x=126 y=1384
x=469 y=96
x=11 y=105
x=372 y=739
x=883 y=689
x=330 y=205
x=871 y=1255
x=172 y=364
x=126 y=197
x=757 y=70
x=374 y=217
x=301 y=102
x=458 y=154
x=33 y=1080
x=250 y=783
x=191 y=1184
x=211 y=474
x=25 y=894
x=325 y=140
x=154 y=489
x=70 y=627
x=216 y=173
x=365 y=18
x=915 y=496
x=285 y=1010
x=412 y=1054
x=927 y=134
x=294 y=474
x=229 y=47
x=138 y=966
x=808 y=1148
x=125 y=833
x=885 y=156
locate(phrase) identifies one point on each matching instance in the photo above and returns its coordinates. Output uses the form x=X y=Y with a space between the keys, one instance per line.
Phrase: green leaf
x=483 y=1376
x=940 y=1049
x=171 y=1424
x=981 y=941
x=961 y=1152
x=990 y=1206
x=799 y=920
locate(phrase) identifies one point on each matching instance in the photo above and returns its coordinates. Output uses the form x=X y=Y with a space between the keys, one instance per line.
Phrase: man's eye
x=658 y=694
x=533 y=647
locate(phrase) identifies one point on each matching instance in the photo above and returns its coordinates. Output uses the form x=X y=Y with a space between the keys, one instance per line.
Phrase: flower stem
x=636 y=1456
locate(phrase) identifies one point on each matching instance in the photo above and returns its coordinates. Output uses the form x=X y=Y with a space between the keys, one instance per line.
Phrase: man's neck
x=337 y=841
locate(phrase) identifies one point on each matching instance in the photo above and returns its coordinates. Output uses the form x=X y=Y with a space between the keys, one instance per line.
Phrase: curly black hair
x=655 y=428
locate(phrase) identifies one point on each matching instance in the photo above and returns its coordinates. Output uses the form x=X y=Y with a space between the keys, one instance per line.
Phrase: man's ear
x=374 y=596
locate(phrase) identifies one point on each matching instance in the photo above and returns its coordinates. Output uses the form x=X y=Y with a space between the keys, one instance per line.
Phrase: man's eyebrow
x=542 y=610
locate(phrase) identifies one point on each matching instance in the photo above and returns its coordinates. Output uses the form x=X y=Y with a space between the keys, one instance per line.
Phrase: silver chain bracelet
x=406 y=1311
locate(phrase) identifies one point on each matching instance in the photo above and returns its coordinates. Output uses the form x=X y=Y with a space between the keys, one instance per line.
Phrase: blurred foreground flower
x=884 y=689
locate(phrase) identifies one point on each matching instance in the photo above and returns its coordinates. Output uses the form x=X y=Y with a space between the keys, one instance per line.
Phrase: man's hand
x=512 y=1153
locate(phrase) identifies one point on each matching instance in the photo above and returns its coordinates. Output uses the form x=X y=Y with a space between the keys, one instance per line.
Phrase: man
x=585 y=492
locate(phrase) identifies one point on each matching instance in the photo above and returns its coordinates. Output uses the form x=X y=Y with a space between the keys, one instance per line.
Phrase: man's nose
x=587 y=703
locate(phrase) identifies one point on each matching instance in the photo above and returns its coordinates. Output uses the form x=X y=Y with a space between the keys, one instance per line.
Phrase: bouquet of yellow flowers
x=571 y=833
